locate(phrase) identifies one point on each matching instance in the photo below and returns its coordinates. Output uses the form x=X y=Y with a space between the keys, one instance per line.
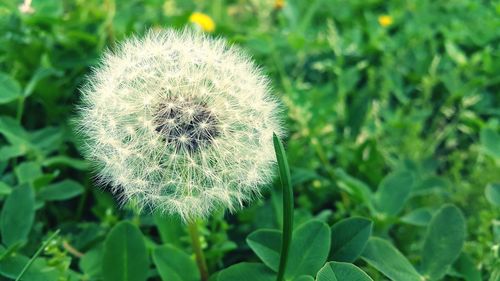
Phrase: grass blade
x=37 y=253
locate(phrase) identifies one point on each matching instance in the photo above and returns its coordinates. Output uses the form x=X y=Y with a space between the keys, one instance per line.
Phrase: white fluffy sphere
x=180 y=123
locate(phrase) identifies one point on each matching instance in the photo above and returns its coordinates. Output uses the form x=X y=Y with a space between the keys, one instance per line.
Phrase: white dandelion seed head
x=180 y=123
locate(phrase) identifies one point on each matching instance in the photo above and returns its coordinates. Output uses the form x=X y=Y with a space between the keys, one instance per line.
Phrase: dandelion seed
x=203 y=21
x=180 y=123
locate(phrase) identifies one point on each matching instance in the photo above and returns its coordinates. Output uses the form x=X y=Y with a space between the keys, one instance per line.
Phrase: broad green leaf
x=247 y=272
x=18 y=214
x=12 y=265
x=170 y=227
x=393 y=192
x=62 y=190
x=5 y=189
x=309 y=249
x=173 y=264
x=355 y=187
x=349 y=238
x=431 y=185
x=340 y=271
x=304 y=278
x=28 y=172
x=266 y=245
x=66 y=161
x=443 y=242
x=465 y=266
x=12 y=131
x=91 y=262
x=418 y=217
x=10 y=89
x=384 y=257
x=12 y=151
x=490 y=142
x=492 y=193
x=125 y=256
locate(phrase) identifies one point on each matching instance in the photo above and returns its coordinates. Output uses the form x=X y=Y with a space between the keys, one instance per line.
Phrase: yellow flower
x=385 y=20
x=279 y=4
x=205 y=22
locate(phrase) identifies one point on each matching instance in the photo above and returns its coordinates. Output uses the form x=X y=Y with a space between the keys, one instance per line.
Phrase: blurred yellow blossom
x=385 y=20
x=279 y=4
x=205 y=22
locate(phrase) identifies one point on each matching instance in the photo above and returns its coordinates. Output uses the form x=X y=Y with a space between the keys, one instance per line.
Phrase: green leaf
x=170 y=227
x=384 y=257
x=12 y=151
x=349 y=238
x=247 y=272
x=173 y=264
x=355 y=187
x=266 y=245
x=5 y=189
x=91 y=262
x=465 y=266
x=12 y=265
x=492 y=193
x=28 y=172
x=125 y=256
x=418 y=217
x=12 y=131
x=393 y=192
x=62 y=190
x=443 y=242
x=490 y=142
x=17 y=215
x=304 y=278
x=309 y=249
x=10 y=89
x=340 y=271
x=66 y=161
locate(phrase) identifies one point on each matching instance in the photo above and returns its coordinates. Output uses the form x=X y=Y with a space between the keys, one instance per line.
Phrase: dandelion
x=279 y=4
x=180 y=123
x=203 y=21
x=385 y=20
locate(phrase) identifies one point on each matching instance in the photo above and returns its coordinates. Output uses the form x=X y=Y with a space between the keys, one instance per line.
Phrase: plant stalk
x=37 y=253
x=286 y=184
x=200 y=257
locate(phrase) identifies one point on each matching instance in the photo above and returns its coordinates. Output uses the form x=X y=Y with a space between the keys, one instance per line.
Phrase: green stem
x=286 y=184
x=37 y=253
x=200 y=257
x=20 y=109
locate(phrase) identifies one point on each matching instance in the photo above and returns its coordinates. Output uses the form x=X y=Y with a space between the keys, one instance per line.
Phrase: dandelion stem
x=286 y=185
x=37 y=253
x=200 y=257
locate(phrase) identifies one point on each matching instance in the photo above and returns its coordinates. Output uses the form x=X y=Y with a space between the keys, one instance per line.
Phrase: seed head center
x=186 y=124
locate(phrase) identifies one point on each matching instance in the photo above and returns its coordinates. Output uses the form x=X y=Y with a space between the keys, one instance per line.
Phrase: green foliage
x=173 y=264
x=384 y=257
x=349 y=238
x=125 y=256
x=17 y=216
x=443 y=242
x=336 y=271
x=393 y=144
